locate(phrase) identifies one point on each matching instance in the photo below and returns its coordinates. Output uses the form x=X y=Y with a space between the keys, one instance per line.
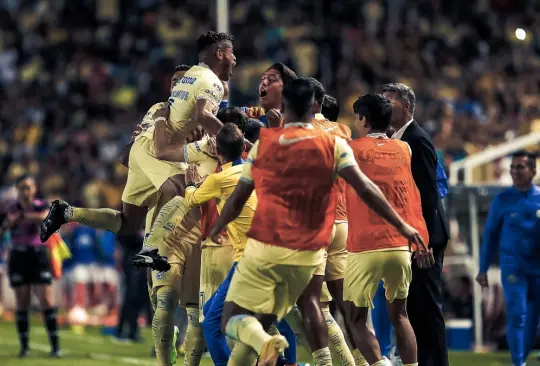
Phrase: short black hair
x=376 y=108
x=23 y=177
x=404 y=92
x=531 y=157
x=181 y=67
x=253 y=129
x=230 y=142
x=319 y=90
x=233 y=115
x=211 y=38
x=286 y=73
x=330 y=108
x=298 y=96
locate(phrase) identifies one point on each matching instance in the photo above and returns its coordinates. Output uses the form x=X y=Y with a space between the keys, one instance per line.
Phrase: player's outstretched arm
x=370 y=193
x=232 y=208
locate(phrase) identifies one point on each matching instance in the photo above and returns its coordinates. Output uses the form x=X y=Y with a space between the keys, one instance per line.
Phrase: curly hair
x=182 y=67
x=211 y=38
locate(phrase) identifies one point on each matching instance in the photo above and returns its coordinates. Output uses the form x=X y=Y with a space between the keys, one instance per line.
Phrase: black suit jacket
x=424 y=171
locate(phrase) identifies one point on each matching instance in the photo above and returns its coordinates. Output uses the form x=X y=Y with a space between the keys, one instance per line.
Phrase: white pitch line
x=98 y=356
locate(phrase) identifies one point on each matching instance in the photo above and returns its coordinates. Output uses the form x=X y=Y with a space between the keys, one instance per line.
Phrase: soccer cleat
x=55 y=354
x=54 y=220
x=272 y=350
x=174 y=352
x=149 y=257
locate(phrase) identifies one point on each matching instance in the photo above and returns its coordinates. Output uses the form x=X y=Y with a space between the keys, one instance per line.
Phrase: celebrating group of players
x=287 y=217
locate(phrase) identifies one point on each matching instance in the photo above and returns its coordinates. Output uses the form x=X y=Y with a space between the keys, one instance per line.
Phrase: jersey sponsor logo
x=160 y=275
x=179 y=94
x=285 y=141
x=214 y=94
x=187 y=80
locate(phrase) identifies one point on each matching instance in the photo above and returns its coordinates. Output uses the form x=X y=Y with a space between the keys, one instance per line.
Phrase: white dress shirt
x=399 y=133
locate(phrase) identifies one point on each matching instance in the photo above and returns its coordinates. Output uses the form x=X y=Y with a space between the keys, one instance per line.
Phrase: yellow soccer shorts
x=216 y=262
x=176 y=233
x=265 y=287
x=147 y=173
x=365 y=271
x=336 y=262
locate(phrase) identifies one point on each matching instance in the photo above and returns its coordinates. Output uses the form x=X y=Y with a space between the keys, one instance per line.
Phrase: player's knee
x=193 y=316
x=167 y=298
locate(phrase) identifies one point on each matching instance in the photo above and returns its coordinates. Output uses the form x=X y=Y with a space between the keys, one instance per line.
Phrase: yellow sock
x=294 y=318
x=98 y=218
x=359 y=360
x=322 y=357
x=412 y=364
x=174 y=213
x=336 y=340
x=248 y=330
x=163 y=324
x=194 y=343
x=242 y=355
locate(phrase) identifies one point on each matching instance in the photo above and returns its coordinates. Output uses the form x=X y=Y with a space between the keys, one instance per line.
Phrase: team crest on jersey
x=160 y=275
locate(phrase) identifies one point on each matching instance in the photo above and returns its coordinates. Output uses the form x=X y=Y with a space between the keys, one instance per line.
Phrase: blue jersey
x=108 y=244
x=84 y=246
x=513 y=226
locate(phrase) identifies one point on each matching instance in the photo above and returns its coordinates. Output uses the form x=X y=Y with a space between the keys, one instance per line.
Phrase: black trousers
x=424 y=306
x=136 y=300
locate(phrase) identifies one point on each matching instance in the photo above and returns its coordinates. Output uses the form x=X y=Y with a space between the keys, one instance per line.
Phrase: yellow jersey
x=221 y=186
x=197 y=153
x=199 y=82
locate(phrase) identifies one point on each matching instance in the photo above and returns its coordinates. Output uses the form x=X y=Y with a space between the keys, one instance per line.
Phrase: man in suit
x=425 y=295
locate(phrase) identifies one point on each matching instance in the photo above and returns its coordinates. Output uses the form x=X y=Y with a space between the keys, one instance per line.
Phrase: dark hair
x=330 y=108
x=376 y=108
x=319 y=90
x=230 y=142
x=22 y=178
x=182 y=67
x=212 y=38
x=233 y=115
x=298 y=96
x=286 y=73
x=253 y=128
x=404 y=92
x=531 y=157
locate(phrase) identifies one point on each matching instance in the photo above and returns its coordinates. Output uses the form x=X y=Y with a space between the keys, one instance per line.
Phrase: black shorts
x=29 y=265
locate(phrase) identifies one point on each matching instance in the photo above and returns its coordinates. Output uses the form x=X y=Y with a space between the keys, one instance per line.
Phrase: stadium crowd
x=76 y=77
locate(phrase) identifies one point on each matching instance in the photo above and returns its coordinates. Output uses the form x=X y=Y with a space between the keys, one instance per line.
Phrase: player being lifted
x=194 y=101
x=293 y=171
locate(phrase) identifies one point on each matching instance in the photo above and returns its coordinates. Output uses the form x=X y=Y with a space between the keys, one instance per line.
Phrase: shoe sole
x=272 y=350
x=43 y=228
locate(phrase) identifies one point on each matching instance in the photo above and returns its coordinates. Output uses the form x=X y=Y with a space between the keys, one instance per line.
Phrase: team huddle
x=257 y=217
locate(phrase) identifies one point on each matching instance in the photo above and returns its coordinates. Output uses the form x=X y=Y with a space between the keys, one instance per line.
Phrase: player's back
x=387 y=162
x=199 y=82
x=293 y=174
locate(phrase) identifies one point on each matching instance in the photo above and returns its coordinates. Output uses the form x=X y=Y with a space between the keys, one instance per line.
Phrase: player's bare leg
x=405 y=338
x=249 y=329
x=314 y=322
x=363 y=337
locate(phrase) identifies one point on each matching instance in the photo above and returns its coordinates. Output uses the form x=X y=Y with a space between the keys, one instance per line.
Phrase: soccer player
x=377 y=251
x=270 y=95
x=292 y=170
x=29 y=264
x=194 y=101
x=316 y=320
x=219 y=186
x=512 y=226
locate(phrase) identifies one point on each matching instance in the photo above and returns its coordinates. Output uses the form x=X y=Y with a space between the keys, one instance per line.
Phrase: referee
x=29 y=266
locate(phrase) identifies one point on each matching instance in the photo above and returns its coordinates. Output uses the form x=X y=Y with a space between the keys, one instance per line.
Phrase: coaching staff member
x=425 y=294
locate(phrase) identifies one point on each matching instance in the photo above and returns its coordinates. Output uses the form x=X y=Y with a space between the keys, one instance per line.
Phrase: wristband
x=191 y=184
x=160 y=119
